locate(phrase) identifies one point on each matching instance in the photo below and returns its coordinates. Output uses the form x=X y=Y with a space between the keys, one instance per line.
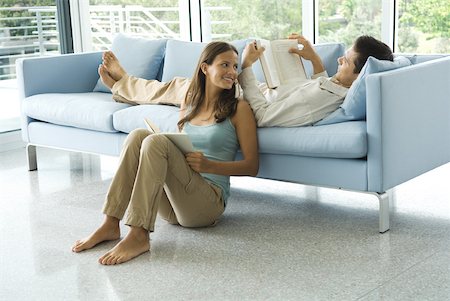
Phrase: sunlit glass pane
x=424 y=26
x=343 y=20
x=152 y=19
x=236 y=19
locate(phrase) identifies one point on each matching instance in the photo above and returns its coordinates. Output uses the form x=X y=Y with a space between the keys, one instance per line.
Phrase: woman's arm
x=245 y=125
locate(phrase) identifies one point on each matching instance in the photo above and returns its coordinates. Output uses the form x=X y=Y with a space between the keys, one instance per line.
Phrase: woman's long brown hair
x=226 y=104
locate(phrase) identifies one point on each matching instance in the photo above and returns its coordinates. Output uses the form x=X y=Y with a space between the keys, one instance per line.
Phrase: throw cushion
x=354 y=105
x=140 y=57
x=182 y=57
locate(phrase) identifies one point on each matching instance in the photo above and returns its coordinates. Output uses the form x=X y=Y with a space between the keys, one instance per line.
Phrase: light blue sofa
x=406 y=133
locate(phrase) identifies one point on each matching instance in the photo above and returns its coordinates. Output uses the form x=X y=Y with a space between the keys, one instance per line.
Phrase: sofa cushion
x=354 y=105
x=139 y=57
x=163 y=116
x=342 y=140
x=92 y=111
x=182 y=57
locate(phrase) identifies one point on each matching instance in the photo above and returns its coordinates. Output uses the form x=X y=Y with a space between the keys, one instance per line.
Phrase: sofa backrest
x=181 y=58
x=421 y=58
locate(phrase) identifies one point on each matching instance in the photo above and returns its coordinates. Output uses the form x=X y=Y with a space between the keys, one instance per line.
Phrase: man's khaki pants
x=153 y=176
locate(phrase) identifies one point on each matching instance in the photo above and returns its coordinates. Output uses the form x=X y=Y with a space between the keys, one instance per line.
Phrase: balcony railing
x=26 y=32
x=151 y=22
x=33 y=31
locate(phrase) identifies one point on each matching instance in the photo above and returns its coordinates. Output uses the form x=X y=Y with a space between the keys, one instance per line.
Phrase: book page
x=290 y=66
x=151 y=126
x=268 y=64
x=182 y=141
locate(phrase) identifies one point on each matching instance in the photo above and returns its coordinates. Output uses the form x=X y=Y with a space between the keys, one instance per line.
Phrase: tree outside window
x=424 y=26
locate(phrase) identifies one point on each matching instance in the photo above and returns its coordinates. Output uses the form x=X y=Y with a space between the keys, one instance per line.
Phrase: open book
x=181 y=140
x=278 y=65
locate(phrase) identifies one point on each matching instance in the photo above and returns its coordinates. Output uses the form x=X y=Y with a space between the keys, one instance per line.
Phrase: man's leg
x=113 y=66
x=106 y=77
x=133 y=90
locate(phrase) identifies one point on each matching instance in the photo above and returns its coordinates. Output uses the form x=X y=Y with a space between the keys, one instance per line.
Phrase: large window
x=152 y=19
x=345 y=20
x=30 y=27
x=235 y=19
x=26 y=30
x=424 y=26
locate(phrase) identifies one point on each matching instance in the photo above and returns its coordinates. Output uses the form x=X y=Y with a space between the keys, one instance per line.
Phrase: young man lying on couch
x=297 y=104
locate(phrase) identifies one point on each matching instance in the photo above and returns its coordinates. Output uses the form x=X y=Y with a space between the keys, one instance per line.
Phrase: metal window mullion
x=310 y=20
x=196 y=23
x=389 y=23
x=64 y=26
x=81 y=28
x=184 y=9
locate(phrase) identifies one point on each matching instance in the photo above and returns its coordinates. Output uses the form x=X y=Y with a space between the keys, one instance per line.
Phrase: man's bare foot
x=134 y=244
x=109 y=230
x=105 y=76
x=113 y=66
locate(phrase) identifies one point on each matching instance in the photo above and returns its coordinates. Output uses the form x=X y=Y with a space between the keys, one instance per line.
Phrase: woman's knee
x=136 y=136
x=154 y=142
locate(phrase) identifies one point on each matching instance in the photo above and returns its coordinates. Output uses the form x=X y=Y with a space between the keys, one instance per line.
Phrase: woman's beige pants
x=153 y=176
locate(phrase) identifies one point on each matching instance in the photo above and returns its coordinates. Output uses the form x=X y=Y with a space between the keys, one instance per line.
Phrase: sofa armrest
x=68 y=73
x=408 y=127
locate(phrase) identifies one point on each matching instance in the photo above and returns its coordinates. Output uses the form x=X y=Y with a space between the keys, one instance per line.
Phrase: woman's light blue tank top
x=217 y=142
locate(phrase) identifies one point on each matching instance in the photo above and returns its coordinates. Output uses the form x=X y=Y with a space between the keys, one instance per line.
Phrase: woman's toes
x=111 y=260
x=74 y=247
x=102 y=259
x=119 y=260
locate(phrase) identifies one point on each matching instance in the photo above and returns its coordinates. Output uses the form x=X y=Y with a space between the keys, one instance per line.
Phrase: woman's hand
x=198 y=162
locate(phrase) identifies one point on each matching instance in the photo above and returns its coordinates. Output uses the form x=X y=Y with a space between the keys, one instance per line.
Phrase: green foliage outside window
x=345 y=20
x=423 y=25
x=267 y=19
x=5 y=15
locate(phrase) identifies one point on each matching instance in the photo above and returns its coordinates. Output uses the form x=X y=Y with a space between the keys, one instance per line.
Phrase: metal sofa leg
x=383 y=198
x=31 y=156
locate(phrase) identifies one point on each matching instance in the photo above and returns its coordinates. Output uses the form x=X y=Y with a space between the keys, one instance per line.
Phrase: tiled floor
x=10 y=112
x=276 y=241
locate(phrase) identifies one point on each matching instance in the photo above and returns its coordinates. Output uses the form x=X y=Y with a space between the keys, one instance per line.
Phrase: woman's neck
x=212 y=94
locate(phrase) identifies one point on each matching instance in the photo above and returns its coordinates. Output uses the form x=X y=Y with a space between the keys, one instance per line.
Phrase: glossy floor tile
x=276 y=241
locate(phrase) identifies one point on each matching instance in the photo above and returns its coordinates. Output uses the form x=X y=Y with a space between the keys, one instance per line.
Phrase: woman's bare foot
x=105 y=76
x=113 y=66
x=134 y=244
x=109 y=230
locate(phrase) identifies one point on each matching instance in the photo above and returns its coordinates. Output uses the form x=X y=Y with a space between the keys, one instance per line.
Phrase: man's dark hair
x=366 y=46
